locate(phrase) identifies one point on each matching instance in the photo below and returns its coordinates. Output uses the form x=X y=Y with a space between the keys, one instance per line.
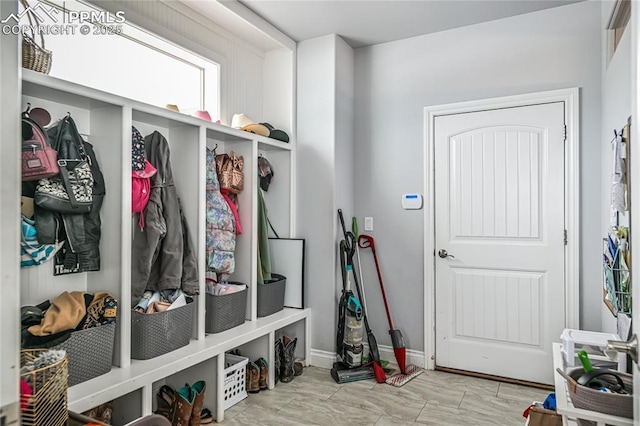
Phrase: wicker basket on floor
x=48 y=402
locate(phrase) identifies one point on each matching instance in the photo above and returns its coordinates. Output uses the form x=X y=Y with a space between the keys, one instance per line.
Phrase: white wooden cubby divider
x=105 y=120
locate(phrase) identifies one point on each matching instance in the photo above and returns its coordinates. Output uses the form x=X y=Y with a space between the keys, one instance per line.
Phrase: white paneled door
x=499 y=229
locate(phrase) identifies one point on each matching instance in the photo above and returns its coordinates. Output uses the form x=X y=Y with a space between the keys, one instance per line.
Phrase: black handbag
x=72 y=190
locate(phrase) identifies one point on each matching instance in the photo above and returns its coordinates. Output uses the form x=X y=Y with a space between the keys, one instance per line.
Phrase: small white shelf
x=61 y=91
x=563 y=402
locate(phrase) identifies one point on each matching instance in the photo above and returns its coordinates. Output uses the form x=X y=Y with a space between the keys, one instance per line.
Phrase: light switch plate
x=368 y=224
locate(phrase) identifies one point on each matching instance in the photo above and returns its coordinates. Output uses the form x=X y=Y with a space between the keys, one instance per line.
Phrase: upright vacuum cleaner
x=351 y=317
x=349 y=346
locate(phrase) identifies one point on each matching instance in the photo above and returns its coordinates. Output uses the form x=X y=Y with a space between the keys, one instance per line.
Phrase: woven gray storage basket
x=90 y=352
x=225 y=311
x=156 y=334
x=602 y=402
x=271 y=295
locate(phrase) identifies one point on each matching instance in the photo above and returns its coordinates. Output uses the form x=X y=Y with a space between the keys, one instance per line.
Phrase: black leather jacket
x=81 y=232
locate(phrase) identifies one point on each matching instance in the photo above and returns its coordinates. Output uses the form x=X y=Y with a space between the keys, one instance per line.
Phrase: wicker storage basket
x=90 y=352
x=225 y=311
x=34 y=56
x=595 y=400
x=48 y=402
x=271 y=296
x=156 y=334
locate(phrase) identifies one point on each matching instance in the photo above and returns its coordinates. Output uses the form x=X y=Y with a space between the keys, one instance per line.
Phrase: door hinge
x=565 y=237
x=564 y=133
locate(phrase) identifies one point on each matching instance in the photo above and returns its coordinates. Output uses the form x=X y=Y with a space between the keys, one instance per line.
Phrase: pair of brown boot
x=184 y=406
x=256 y=376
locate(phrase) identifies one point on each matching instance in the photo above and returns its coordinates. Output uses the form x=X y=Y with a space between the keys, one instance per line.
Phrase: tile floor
x=433 y=398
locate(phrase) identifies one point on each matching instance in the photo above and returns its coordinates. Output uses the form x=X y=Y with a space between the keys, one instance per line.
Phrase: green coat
x=264 y=257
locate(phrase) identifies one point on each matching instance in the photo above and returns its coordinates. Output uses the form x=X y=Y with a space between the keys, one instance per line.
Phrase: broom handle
x=384 y=296
x=370 y=244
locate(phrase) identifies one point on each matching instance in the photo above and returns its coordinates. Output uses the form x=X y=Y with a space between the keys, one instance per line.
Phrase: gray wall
x=324 y=172
x=551 y=49
x=616 y=108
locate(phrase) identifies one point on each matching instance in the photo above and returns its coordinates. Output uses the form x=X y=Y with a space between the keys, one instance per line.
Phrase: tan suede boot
x=254 y=381
x=198 y=389
x=247 y=377
x=264 y=373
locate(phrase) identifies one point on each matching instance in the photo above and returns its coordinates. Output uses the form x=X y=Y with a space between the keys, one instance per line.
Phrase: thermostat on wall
x=412 y=201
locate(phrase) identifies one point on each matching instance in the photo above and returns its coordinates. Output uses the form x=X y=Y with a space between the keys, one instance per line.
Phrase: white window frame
x=209 y=69
x=618 y=23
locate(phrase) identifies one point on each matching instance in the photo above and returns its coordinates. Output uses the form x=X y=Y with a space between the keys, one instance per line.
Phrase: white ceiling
x=366 y=22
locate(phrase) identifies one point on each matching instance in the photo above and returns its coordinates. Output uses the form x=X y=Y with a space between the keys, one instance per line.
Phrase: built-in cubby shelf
x=105 y=121
x=122 y=381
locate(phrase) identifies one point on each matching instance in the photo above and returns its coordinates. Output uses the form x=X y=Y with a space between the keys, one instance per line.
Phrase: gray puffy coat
x=163 y=255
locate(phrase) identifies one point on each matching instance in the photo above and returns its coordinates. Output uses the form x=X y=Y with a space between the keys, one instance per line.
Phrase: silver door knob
x=630 y=347
x=443 y=254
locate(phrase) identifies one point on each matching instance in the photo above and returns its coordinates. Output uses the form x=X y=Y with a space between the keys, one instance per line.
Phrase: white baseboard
x=325 y=359
x=322 y=359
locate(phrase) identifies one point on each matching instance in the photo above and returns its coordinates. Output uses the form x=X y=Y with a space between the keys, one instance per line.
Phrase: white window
x=106 y=52
x=617 y=24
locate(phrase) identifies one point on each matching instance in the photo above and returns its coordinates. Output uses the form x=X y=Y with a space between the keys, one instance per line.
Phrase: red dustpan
x=399 y=350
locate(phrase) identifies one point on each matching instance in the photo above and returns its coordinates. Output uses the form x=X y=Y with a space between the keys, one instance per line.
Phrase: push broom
x=399 y=350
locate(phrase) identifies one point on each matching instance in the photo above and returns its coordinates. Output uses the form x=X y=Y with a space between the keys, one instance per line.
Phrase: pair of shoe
x=256 y=376
x=184 y=407
x=103 y=413
x=286 y=367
